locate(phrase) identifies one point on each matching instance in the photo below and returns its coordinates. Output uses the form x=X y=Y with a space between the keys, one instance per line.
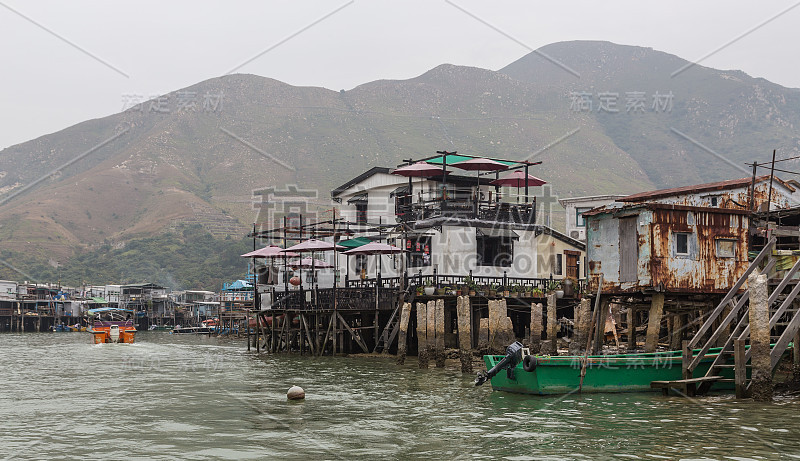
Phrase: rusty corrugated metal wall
x=715 y=249
x=708 y=267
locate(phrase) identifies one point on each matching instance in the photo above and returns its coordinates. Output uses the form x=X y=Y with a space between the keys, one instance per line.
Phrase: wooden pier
x=372 y=320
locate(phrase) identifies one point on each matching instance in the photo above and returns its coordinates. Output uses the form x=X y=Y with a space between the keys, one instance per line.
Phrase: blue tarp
x=238 y=285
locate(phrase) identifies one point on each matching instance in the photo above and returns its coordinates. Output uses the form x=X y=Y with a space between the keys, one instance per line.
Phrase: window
x=360 y=202
x=495 y=246
x=681 y=243
x=726 y=248
x=579 y=216
x=419 y=249
x=559 y=264
x=495 y=251
x=361 y=212
x=713 y=201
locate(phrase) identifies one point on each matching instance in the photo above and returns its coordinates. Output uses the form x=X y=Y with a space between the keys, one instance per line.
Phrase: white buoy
x=296 y=393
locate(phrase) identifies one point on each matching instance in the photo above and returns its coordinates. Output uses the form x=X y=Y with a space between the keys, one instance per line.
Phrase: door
x=572 y=263
x=628 y=249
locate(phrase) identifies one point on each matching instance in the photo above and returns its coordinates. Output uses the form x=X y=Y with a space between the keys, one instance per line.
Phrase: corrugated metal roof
x=721 y=185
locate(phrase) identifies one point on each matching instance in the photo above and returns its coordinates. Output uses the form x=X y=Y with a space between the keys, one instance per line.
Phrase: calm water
x=198 y=398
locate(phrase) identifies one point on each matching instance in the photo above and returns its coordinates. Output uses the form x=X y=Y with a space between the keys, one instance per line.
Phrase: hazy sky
x=65 y=62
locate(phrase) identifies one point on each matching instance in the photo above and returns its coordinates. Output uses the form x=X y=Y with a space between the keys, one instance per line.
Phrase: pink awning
x=269 y=251
x=313 y=245
x=374 y=248
x=517 y=179
x=480 y=164
x=419 y=170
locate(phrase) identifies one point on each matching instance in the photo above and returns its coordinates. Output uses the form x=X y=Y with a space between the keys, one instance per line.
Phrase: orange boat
x=115 y=329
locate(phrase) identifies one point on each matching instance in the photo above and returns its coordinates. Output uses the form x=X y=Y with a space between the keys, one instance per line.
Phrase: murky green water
x=198 y=398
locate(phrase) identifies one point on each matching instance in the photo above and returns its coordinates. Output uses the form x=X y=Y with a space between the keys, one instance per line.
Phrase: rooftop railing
x=522 y=213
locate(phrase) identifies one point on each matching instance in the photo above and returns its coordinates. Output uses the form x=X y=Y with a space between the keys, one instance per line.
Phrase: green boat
x=550 y=375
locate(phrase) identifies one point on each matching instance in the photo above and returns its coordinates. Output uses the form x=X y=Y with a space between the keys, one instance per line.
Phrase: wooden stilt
x=483 y=336
x=464 y=333
x=308 y=334
x=327 y=335
x=631 y=319
x=739 y=368
x=422 y=335
x=551 y=344
x=676 y=335
x=431 y=329
x=356 y=337
x=796 y=358
x=537 y=312
x=761 y=387
x=654 y=322
x=440 y=328
x=405 y=314
x=583 y=324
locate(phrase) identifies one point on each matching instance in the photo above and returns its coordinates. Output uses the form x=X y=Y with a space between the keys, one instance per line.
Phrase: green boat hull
x=604 y=373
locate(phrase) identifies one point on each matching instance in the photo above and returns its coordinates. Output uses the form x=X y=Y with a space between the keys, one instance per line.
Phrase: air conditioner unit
x=575 y=234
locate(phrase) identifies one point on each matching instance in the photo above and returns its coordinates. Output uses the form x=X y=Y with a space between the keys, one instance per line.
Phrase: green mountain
x=198 y=156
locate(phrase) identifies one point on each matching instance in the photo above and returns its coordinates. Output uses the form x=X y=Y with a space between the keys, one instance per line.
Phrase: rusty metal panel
x=602 y=250
x=702 y=268
x=628 y=249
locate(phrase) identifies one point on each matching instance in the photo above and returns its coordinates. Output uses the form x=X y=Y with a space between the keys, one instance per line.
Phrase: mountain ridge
x=202 y=166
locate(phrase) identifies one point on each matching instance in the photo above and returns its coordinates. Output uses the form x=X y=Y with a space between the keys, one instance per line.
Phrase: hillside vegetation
x=75 y=195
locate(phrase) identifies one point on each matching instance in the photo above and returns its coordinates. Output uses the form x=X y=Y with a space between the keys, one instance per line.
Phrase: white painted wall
x=8 y=289
x=572 y=204
x=112 y=293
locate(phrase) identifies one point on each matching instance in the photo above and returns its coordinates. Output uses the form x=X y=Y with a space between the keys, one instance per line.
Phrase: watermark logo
x=636 y=102
x=272 y=204
x=183 y=101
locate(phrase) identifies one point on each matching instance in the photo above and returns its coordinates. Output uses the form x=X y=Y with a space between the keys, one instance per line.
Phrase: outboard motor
x=113 y=333
x=512 y=358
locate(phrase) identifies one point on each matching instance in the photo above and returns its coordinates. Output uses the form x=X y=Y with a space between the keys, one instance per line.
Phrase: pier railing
x=347 y=298
x=522 y=213
x=481 y=282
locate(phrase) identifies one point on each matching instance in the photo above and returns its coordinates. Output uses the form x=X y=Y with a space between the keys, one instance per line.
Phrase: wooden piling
x=464 y=311
x=483 y=336
x=654 y=322
x=550 y=345
x=600 y=326
x=761 y=377
x=422 y=335
x=536 y=328
x=494 y=327
x=796 y=358
x=431 y=328
x=405 y=313
x=739 y=368
x=676 y=334
x=440 y=328
x=582 y=325
x=631 y=320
